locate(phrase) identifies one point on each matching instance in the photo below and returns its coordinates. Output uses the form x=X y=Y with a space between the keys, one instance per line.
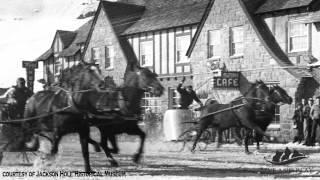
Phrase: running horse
x=63 y=109
x=265 y=114
x=137 y=80
x=228 y=116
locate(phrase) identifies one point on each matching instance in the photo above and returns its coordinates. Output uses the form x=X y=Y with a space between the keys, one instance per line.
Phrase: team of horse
x=72 y=106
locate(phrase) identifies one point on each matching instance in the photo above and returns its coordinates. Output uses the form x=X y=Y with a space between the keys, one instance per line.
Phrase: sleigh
x=286 y=161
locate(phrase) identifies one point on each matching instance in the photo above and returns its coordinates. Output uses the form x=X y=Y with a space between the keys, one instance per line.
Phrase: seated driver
x=16 y=98
x=187 y=95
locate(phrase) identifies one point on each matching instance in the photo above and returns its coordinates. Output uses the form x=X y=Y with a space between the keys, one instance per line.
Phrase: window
x=214 y=43
x=276 y=119
x=58 y=66
x=182 y=45
x=96 y=55
x=146 y=53
x=109 y=53
x=236 y=41
x=174 y=97
x=151 y=102
x=298 y=37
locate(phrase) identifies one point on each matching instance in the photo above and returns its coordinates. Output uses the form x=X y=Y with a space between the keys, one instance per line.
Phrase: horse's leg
x=237 y=135
x=115 y=148
x=84 y=137
x=95 y=144
x=55 y=144
x=104 y=145
x=135 y=130
x=203 y=124
x=258 y=138
x=246 y=141
x=218 y=138
x=1 y=157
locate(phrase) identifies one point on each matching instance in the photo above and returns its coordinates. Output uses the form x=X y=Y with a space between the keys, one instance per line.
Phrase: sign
x=30 y=68
x=30 y=64
x=227 y=80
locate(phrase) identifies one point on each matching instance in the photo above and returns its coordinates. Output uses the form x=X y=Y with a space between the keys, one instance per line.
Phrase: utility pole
x=30 y=69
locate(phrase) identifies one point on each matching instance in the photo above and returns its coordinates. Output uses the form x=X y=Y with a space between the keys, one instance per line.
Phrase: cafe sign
x=227 y=80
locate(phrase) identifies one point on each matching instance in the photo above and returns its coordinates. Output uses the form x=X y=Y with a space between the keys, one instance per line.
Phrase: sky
x=27 y=29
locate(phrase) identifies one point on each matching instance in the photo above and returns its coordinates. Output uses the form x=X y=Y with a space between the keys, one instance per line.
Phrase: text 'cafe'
x=227 y=80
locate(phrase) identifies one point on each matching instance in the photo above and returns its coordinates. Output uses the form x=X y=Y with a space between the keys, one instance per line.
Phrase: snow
x=27 y=28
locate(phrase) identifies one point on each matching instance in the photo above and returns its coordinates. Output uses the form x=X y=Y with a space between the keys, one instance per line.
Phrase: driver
x=187 y=96
x=16 y=98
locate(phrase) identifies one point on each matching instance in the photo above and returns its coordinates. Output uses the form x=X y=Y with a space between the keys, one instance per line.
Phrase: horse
x=265 y=114
x=66 y=106
x=242 y=116
x=137 y=80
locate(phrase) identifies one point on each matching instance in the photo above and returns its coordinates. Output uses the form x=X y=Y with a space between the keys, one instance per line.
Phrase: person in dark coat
x=307 y=121
x=315 y=115
x=298 y=122
x=17 y=97
x=187 y=96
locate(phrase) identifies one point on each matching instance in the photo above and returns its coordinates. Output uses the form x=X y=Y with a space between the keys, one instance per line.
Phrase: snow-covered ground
x=161 y=160
x=27 y=28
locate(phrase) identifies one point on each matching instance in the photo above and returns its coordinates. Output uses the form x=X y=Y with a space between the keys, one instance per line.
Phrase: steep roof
x=269 y=42
x=67 y=37
x=164 y=14
x=278 y=5
x=45 y=55
x=81 y=37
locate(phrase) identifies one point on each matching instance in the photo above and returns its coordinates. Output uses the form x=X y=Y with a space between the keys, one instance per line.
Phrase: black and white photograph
x=160 y=89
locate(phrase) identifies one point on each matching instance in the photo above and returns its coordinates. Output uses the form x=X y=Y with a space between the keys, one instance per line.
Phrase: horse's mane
x=71 y=75
x=253 y=85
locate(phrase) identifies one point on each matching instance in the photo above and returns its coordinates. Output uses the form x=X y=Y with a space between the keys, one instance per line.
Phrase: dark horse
x=243 y=116
x=137 y=80
x=67 y=106
x=265 y=114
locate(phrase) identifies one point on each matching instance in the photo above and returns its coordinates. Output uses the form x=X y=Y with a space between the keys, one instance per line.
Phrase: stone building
x=269 y=40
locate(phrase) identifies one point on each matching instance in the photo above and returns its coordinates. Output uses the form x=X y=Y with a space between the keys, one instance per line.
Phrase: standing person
x=187 y=95
x=315 y=115
x=17 y=97
x=307 y=121
x=298 y=122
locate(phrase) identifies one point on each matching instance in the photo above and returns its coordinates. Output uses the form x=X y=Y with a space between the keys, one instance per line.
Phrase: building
x=270 y=40
x=65 y=51
x=156 y=34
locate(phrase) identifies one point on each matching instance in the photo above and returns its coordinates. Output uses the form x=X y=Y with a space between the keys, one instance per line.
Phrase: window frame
x=174 y=97
x=96 y=60
x=147 y=63
x=148 y=99
x=233 y=52
x=182 y=54
x=213 y=55
x=275 y=124
x=308 y=35
x=111 y=55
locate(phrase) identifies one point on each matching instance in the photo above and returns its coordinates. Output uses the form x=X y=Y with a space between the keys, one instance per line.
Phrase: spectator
x=307 y=121
x=298 y=122
x=315 y=115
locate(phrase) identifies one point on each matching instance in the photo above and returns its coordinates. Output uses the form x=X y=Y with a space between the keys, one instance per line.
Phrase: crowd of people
x=306 y=120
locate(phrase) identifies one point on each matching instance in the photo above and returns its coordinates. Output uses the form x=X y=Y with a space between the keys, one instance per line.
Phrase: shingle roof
x=81 y=37
x=45 y=55
x=122 y=15
x=67 y=37
x=164 y=14
x=277 y=5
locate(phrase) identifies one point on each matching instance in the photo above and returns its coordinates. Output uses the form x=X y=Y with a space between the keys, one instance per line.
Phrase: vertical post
x=30 y=69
